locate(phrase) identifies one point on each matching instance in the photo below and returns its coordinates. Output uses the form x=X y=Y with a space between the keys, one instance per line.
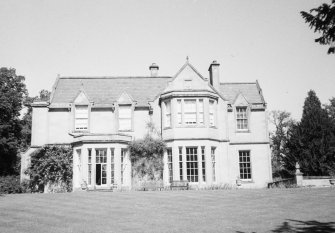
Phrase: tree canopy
x=310 y=140
x=322 y=20
x=12 y=94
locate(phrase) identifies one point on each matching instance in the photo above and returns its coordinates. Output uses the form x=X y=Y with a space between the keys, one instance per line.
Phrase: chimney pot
x=154 y=69
x=214 y=77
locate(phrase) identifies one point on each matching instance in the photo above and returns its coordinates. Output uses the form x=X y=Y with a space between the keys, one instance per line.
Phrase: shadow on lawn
x=296 y=226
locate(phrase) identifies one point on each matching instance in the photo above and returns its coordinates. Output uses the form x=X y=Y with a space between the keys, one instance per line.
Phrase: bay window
x=190 y=112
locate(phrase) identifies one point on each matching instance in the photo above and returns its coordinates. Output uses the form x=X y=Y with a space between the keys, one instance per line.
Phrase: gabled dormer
x=81 y=112
x=125 y=112
x=242 y=109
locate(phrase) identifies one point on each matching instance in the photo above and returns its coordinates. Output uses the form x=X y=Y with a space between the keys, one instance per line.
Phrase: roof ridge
x=111 y=77
x=238 y=83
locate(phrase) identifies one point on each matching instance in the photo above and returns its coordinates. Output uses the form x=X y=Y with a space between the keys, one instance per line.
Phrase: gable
x=188 y=79
x=125 y=98
x=241 y=100
x=81 y=98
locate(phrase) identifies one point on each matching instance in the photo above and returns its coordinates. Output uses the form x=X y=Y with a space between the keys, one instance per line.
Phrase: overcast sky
x=264 y=40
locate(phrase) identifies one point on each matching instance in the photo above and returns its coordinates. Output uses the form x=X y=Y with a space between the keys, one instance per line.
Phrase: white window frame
x=167 y=114
x=213 y=159
x=192 y=164
x=242 y=119
x=212 y=113
x=245 y=166
x=81 y=116
x=128 y=118
x=170 y=163
x=190 y=114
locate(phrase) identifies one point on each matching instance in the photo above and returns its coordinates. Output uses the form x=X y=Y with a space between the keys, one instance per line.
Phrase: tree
x=330 y=108
x=282 y=121
x=310 y=139
x=322 y=20
x=44 y=95
x=12 y=93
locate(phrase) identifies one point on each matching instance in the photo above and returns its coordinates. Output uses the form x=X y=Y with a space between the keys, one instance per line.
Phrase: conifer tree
x=310 y=139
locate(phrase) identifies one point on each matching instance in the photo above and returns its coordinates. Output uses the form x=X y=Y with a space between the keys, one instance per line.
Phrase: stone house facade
x=216 y=133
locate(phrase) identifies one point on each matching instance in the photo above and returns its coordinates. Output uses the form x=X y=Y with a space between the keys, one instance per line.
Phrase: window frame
x=192 y=165
x=75 y=117
x=170 y=163
x=243 y=167
x=167 y=115
x=213 y=163
x=120 y=106
x=247 y=118
x=180 y=116
x=213 y=114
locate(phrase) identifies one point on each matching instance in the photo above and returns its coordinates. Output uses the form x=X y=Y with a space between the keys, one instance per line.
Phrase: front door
x=101 y=167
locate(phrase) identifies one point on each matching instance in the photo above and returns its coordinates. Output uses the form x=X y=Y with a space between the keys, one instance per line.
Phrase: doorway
x=101 y=167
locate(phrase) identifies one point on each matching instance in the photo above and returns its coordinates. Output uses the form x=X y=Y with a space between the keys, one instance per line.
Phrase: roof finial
x=187 y=59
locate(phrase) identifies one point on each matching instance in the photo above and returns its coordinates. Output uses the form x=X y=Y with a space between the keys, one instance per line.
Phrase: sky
x=264 y=40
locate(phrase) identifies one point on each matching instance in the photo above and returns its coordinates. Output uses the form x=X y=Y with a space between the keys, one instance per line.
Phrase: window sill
x=247 y=181
x=191 y=126
x=242 y=131
x=126 y=130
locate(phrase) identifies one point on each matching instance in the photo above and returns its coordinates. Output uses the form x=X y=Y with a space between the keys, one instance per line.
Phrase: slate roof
x=251 y=91
x=106 y=90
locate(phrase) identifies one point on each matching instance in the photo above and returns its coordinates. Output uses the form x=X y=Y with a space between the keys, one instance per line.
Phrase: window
x=89 y=169
x=211 y=113
x=201 y=112
x=245 y=165
x=112 y=166
x=190 y=112
x=203 y=164
x=124 y=117
x=170 y=165
x=213 y=163
x=101 y=166
x=123 y=155
x=242 y=118
x=81 y=117
x=168 y=114
x=181 y=163
x=192 y=164
x=179 y=113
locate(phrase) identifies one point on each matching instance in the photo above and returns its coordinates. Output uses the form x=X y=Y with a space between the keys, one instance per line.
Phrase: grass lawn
x=274 y=210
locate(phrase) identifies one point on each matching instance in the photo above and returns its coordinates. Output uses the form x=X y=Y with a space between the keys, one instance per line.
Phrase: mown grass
x=274 y=210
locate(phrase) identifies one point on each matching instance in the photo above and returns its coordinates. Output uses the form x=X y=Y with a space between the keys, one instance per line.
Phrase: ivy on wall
x=51 y=169
x=146 y=156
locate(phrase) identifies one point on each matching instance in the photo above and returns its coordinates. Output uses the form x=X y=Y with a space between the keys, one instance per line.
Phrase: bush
x=51 y=169
x=10 y=184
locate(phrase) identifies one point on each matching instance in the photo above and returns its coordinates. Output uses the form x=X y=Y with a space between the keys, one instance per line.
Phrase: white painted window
x=101 y=166
x=201 y=112
x=192 y=164
x=213 y=163
x=241 y=118
x=123 y=157
x=190 y=112
x=203 y=164
x=181 y=163
x=179 y=112
x=81 y=118
x=211 y=113
x=167 y=113
x=170 y=165
x=124 y=117
x=112 y=166
x=245 y=165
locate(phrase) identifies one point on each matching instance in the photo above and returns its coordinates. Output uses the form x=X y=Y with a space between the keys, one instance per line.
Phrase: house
x=216 y=133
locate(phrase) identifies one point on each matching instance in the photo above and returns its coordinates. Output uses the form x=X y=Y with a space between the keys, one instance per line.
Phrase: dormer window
x=242 y=118
x=125 y=117
x=81 y=118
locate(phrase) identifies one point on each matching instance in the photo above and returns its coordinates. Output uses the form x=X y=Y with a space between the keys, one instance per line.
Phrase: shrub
x=10 y=184
x=51 y=169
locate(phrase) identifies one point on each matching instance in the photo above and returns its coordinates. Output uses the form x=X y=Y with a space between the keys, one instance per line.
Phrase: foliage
x=309 y=140
x=147 y=158
x=282 y=121
x=44 y=95
x=10 y=184
x=51 y=167
x=330 y=108
x=12 y=94
x=322 y=20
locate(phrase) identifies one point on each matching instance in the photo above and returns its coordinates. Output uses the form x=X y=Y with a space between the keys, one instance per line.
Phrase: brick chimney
x=214 y=75
x=154 y=69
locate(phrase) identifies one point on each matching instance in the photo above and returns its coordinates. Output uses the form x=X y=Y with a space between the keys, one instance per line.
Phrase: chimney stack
x=154 y=69
x=214 y=77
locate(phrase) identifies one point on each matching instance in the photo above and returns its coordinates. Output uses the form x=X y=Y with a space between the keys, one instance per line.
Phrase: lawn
x=276 y=210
